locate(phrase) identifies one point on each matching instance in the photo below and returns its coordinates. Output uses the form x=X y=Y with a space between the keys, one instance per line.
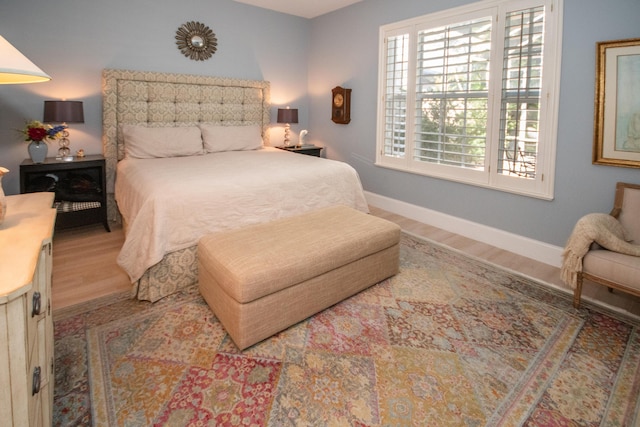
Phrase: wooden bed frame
x=156 y=99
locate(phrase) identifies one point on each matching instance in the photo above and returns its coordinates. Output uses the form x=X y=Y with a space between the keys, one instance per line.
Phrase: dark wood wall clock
x=341 y=105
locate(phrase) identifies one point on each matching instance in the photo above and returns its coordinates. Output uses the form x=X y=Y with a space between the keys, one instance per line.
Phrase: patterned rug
x=449 y=341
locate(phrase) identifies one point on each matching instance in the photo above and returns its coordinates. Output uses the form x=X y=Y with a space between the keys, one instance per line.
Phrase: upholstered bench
x=261 y=279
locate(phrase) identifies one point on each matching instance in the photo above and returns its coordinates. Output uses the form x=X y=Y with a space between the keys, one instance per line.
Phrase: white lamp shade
x=16 y=68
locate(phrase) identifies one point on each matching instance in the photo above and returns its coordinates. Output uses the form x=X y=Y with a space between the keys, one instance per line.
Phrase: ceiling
x=304 y=8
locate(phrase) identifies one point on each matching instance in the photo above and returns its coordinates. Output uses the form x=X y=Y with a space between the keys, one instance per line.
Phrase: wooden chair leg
x=577 y=291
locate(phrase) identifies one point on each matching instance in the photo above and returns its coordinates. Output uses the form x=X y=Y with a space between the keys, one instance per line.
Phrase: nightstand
x=79 y=186
x=309 y=150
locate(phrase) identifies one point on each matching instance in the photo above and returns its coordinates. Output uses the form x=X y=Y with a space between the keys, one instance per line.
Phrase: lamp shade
x=63 y=112
x=16 y=68
x=287 y=115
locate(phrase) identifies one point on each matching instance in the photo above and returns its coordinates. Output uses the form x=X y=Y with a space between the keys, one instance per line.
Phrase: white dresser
x=26 y=325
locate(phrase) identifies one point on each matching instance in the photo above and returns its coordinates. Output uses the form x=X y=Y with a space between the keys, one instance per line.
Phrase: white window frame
x=542 y=185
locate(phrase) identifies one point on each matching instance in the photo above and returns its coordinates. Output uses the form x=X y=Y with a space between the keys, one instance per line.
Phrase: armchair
x=613 y=262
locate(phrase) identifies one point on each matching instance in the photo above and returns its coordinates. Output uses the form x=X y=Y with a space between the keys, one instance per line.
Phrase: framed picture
x=616 y=134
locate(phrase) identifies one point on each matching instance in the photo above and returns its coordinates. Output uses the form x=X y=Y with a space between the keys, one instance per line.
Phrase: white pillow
x=143 y=142
x=231 y=138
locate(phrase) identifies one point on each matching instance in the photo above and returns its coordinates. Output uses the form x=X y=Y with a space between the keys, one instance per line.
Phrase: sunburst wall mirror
x=196 y=41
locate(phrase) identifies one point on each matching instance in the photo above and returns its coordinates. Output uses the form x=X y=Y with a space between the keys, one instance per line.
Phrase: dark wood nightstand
x=79 y=185
x=309 y=150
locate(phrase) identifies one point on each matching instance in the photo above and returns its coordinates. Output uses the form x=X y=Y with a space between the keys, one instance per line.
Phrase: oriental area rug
x=449 y=341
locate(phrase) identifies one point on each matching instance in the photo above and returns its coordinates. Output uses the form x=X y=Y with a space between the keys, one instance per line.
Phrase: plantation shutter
x=463 y=96
x=521 y=92
x=395 y=104
x=452 y=86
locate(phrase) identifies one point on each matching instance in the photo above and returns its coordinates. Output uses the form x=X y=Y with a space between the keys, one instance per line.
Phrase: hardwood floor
x=85 y=268
x=84 y=265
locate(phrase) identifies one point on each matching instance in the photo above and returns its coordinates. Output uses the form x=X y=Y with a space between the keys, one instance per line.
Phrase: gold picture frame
x=616 y=139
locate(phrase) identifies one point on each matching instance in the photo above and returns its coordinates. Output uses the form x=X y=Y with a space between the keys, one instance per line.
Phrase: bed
x=168 y=191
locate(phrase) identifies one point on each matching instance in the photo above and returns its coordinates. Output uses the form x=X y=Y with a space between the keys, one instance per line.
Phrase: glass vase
x=38 y=151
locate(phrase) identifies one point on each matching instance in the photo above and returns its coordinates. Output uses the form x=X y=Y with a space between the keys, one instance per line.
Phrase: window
x=471 y=94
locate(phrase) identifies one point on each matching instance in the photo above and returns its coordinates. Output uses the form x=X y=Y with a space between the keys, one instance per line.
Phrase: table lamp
x=287 y=116
x=63 y=112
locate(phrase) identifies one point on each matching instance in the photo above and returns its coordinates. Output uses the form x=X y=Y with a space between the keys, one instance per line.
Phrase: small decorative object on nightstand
x=303 y=133
x=309 y=150
x=37 y=134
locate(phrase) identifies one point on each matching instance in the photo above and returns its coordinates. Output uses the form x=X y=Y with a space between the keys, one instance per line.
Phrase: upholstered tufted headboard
x=164 y=99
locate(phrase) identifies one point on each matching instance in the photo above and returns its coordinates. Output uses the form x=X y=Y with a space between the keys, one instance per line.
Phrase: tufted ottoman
x=261 y=279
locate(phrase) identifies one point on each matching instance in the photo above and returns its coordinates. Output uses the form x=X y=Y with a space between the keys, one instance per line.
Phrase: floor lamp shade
x=16 y=68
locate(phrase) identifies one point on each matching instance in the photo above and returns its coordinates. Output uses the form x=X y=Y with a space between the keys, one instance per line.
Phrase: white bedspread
x=169 y=203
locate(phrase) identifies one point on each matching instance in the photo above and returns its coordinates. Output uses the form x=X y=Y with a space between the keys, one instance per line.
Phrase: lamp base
x=287 y=135
x=64 y=151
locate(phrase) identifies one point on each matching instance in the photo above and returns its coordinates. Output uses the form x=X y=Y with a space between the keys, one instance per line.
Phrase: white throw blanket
x=600 y=228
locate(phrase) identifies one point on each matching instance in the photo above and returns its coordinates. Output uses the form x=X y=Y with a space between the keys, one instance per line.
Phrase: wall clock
x=341 y=105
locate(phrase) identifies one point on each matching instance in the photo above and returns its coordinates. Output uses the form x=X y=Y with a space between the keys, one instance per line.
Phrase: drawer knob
x=35 y=385
x=37 y=303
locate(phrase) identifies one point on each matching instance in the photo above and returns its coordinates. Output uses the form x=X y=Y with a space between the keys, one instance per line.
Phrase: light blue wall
x=73 y=40
x=344 y=51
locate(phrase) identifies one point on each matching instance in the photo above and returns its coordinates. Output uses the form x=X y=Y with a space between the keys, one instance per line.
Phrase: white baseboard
x=525 y=246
